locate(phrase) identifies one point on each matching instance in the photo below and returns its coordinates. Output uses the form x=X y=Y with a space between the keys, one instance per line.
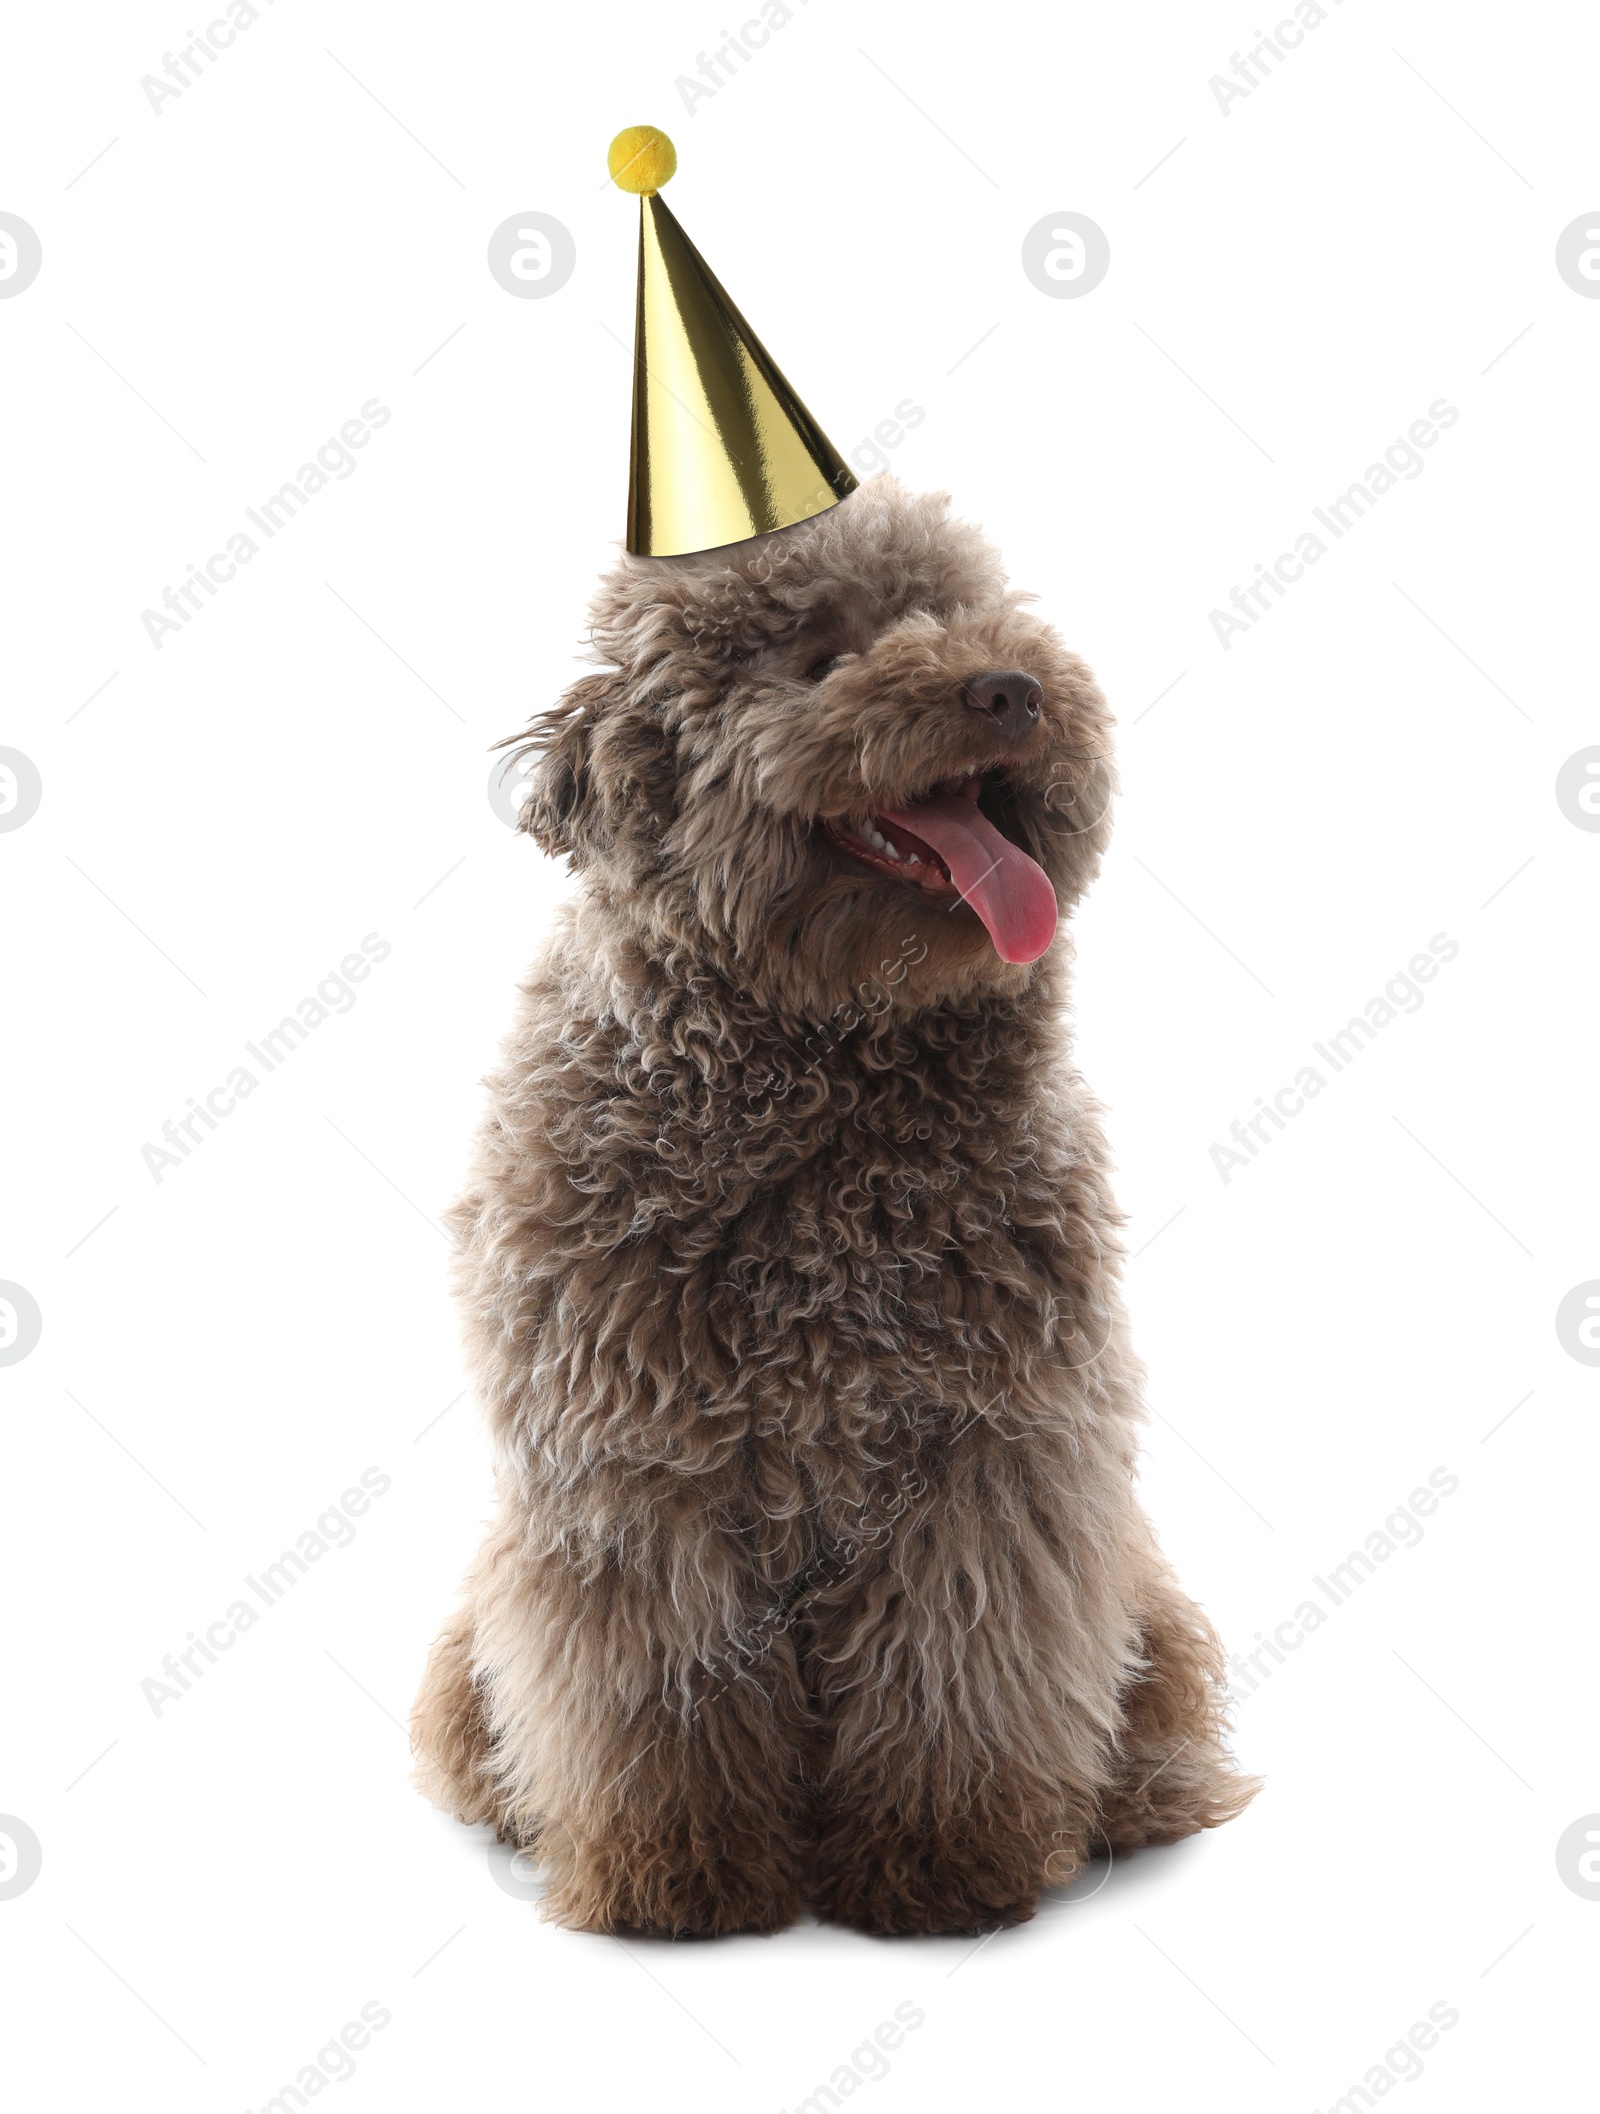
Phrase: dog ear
x=554 y=812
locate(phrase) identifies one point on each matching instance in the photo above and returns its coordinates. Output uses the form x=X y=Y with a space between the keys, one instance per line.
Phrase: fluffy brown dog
x=789 y=1262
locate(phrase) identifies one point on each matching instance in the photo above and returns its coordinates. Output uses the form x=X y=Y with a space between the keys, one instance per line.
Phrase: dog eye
x=819 y=669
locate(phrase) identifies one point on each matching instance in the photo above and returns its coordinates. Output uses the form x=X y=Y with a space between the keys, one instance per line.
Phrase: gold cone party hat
x=723 y=449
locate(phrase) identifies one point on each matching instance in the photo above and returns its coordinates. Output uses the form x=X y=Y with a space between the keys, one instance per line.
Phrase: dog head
x=838 y=760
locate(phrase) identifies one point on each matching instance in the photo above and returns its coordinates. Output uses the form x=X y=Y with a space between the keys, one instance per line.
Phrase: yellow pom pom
x=641 y=159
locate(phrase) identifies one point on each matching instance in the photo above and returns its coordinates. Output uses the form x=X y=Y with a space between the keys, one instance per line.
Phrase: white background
x=223 y=1352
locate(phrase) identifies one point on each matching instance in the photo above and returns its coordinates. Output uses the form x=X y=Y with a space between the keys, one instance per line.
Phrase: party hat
x=723 y=449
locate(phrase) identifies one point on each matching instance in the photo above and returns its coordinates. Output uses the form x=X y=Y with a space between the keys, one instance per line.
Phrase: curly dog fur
x=789 y=1270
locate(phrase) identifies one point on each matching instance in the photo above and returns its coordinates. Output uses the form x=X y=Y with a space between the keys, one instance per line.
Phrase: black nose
x=1011 y=701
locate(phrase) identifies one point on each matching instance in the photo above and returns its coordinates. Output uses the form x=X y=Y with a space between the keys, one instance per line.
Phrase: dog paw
x=665 y=1892
x=914 y=1888
x=1159 y=1800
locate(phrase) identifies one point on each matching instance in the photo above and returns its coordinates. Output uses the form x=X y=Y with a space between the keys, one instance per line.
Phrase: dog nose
x=1011 y=701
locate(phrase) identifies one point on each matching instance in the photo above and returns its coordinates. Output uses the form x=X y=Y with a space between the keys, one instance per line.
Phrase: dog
x=789 y=1274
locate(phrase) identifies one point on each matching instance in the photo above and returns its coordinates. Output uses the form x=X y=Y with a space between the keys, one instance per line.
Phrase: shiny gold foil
x=723 y=449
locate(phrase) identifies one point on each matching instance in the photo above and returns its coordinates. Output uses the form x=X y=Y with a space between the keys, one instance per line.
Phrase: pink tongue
x=1005 y=887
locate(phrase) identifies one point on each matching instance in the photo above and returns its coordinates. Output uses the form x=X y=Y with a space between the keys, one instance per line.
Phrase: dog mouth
x=950 y=843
